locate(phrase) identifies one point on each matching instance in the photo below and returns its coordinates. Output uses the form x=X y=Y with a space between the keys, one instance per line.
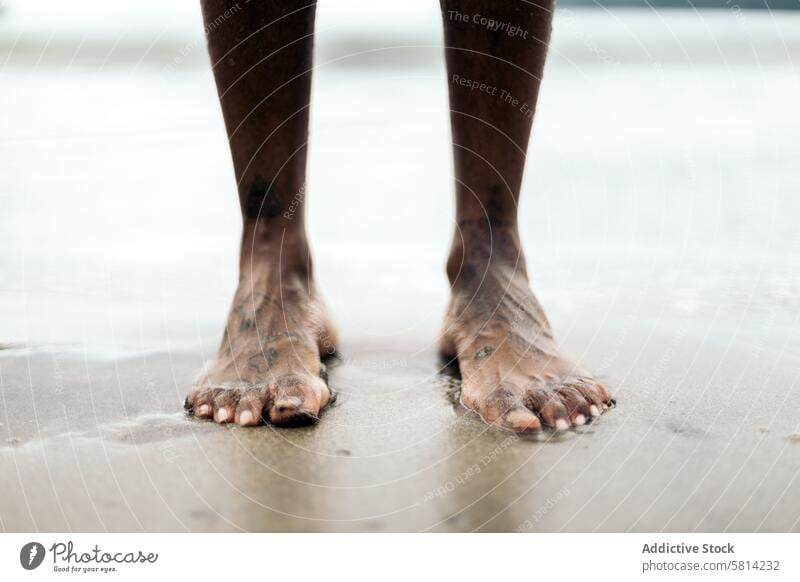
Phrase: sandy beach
x=659 y=221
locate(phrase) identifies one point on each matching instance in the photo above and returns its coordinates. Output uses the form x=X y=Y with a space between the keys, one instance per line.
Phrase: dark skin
x=268 y=368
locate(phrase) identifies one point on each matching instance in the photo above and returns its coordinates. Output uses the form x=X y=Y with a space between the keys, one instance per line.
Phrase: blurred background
x=662 y=134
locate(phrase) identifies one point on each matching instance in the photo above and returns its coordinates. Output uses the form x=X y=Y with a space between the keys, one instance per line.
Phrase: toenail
x=203 y=410
x=246 y=417
x=580 y=419
x=288 y=404
x=562 y=424
x=594 y=410
x=222 y=414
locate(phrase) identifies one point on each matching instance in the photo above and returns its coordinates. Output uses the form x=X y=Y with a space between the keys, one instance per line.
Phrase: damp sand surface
x=664 y=248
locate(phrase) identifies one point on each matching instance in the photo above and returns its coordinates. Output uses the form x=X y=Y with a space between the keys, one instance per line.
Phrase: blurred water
x=663 y=150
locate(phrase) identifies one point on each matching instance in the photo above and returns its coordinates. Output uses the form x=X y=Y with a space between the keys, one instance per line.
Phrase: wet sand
x=659 y=222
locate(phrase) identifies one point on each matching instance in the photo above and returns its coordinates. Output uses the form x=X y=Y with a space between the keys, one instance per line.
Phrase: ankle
x=279 y=250
x=477 y=249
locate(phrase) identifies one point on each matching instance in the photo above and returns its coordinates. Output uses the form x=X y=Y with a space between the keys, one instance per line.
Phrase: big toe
x=297 y=401
x=502 y=408
x=520 y=420
x=292 y=411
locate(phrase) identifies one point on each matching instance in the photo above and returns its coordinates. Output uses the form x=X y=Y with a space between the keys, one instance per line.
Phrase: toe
x=191 y=397
x=294 y=418
x=595 y=393
x=608 y=400
x=521 y=420
x=289 y=411
x=223 y=415
x=248 y=412
x=204 y=404
x=576 y=405
x=225 y=405
x=495 y=407
x=550 y=408
x=297 y=400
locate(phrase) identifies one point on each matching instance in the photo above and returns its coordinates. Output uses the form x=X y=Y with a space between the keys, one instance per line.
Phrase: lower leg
x=513 y=374
x=268 y=365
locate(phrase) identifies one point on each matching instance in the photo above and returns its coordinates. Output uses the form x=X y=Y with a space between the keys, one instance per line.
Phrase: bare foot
x=513 y=374
x=269 y=366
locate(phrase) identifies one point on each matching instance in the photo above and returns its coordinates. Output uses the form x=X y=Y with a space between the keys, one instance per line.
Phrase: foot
x=513 y=373
x=269 y=366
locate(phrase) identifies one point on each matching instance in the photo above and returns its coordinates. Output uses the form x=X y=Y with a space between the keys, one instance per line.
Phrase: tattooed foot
x=513 y=373
x=269 y=366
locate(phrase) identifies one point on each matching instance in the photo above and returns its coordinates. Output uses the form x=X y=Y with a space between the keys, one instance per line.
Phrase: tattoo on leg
x=262 y=201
